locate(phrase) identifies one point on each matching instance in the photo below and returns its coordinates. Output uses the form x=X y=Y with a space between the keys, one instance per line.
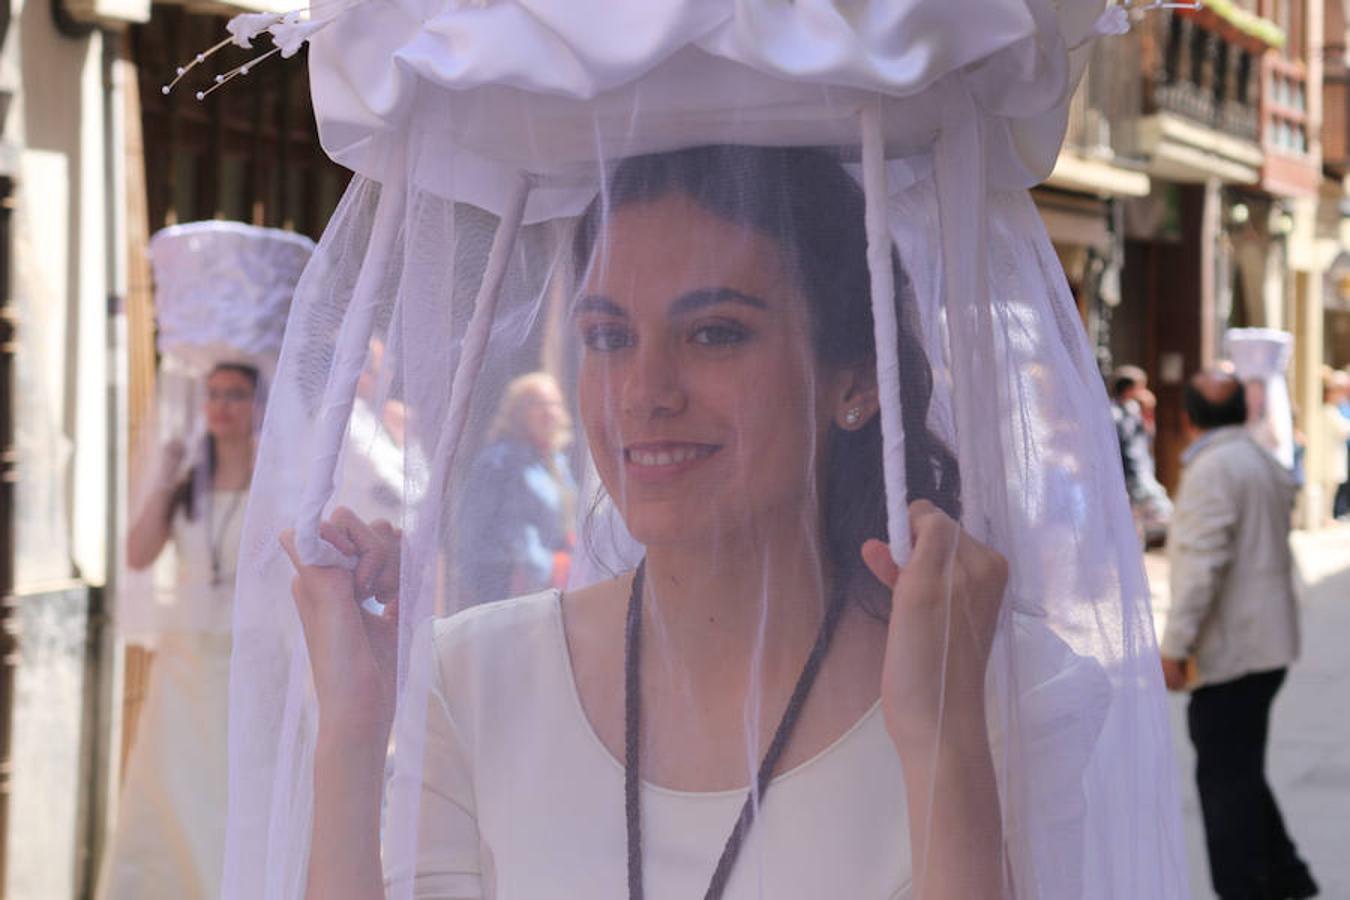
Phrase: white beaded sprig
x=197 y=61
x=288 y=32
x=1115 y=19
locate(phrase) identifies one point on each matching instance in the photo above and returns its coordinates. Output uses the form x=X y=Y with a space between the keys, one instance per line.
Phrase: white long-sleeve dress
x=520 y=800
x=517 y=798
x=170 y=835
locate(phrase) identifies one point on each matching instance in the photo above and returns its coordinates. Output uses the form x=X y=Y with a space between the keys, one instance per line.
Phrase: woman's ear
x=857 y=400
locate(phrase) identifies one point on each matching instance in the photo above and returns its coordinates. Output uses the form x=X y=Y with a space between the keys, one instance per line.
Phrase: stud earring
x=853 y=416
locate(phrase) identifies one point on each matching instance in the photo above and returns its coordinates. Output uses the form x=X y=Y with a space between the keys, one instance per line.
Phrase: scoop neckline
x=560 y=632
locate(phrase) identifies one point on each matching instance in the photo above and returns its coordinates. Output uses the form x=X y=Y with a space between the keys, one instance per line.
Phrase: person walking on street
x=1231 y=634
x=1131 y=405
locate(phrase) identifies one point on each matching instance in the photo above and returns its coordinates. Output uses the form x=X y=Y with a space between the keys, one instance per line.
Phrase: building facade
x=1195 y=152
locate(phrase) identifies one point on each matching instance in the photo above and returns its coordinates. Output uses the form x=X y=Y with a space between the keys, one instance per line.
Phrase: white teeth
x=670 y=457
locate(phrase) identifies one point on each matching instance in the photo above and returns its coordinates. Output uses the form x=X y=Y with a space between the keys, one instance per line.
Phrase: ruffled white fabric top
x=223 y=290
x=541 y=85
x=1260 y=352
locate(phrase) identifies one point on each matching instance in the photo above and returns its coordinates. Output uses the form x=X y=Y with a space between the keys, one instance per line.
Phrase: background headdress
x=223 y=291
x=1262 y=355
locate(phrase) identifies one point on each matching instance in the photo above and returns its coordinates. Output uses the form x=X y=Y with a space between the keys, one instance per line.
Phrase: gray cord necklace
x=216 y=543
x=632 y=733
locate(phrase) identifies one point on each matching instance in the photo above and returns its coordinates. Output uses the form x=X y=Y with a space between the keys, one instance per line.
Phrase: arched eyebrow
x=683 y=305
x=596 y=303
x=704 y=297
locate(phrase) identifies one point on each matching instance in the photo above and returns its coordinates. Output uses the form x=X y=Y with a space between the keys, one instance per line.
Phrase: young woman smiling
x=767 y=704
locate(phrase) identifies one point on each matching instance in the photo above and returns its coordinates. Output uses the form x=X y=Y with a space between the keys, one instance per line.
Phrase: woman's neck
x=234 y=463
x=726 y=634
x=714 y=606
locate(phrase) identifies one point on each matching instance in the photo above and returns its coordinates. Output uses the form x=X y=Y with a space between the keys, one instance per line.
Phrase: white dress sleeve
x=434 y=852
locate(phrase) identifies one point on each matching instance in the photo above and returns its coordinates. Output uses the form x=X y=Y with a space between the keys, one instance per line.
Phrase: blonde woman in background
x=514 y=525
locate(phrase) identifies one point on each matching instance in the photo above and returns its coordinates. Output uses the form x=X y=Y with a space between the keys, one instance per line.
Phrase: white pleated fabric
x=223 y=290
x=1261 y=357
x=732 y=288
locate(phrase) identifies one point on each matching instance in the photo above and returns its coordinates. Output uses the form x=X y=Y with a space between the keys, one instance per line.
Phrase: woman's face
x=229 y=404
x=701 y=399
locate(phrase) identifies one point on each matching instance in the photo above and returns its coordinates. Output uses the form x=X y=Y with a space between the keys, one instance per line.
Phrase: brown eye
x=719 y=334
x=606 y=338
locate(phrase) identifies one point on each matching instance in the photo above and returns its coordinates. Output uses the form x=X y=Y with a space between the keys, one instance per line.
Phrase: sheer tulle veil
x=780 y=262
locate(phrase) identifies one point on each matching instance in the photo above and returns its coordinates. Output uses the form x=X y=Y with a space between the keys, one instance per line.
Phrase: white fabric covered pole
x=886 y=329
x=349 y=359
x=978 y=392
x=474 y=348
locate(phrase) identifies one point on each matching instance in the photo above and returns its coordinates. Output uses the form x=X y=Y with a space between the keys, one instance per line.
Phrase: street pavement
x=1309 y=754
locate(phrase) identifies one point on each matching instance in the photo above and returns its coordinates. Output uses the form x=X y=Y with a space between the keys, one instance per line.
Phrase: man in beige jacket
x=1235 y=616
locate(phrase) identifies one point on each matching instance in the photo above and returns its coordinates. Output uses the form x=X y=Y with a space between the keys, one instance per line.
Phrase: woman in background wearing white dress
x=171 y=826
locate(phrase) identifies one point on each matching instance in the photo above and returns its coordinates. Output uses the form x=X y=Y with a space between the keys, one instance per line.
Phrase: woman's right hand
x=352 y=651
x=170 y=465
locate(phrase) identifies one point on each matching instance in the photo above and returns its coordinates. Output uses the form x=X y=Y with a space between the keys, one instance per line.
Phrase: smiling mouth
x=665 y=455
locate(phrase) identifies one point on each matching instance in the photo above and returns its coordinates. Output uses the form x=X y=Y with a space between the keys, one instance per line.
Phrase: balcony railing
x=1204 y=74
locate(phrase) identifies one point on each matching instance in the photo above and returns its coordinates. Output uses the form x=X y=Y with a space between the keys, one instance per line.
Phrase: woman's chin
x=696 y=519
x=693 y=526
x=670 y=524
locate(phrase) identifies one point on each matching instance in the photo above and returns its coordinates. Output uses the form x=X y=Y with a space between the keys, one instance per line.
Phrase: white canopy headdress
x=495 y=144
x=1262 y=355
x=223 y=290
x=222 y=293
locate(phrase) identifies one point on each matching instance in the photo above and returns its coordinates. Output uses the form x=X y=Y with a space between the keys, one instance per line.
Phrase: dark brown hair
x=1205 y=415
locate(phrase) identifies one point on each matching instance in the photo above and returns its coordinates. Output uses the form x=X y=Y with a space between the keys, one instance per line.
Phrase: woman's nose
x=653 y=387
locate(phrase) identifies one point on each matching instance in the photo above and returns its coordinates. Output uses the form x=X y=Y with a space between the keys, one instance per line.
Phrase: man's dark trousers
x=1250 y=854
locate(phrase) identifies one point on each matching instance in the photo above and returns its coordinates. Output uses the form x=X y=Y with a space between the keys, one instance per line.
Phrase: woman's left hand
x=944 y=609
